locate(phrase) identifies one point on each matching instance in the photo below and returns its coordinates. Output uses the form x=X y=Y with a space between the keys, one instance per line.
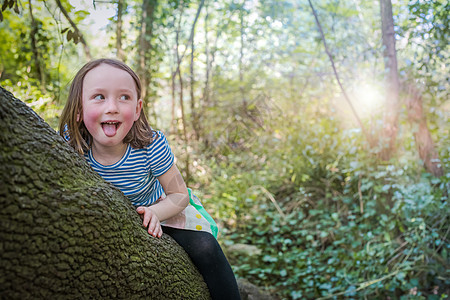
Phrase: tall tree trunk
x=205 y=97
x=78 y=33
x=241 y=60
x=66 y=233
x=194 y=112
x=422 y=136
x=173 y=123
x=119 y=50
x=181 y=95
x=181 y=87
x=392 y=81
x=205 y=102
x=38 y=63
x=187 y=174
x=209 y=100
x=145 y=46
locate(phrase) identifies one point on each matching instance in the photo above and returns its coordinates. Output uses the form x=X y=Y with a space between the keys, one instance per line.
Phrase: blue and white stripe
x=135 y=174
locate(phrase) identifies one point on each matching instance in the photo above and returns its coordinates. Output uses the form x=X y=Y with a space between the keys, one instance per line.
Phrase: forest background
x=315 y=132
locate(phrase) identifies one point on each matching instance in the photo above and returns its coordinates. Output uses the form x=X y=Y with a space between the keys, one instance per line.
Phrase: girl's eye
x=124 y=97
x=99 y=97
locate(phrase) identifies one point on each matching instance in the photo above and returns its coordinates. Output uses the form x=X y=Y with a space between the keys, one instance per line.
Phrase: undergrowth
x=306 y=214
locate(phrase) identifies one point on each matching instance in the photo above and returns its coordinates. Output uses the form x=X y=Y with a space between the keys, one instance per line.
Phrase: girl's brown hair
x=80 y=139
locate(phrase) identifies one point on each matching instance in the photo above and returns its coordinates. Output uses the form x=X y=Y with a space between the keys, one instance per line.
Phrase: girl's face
x=110 y=105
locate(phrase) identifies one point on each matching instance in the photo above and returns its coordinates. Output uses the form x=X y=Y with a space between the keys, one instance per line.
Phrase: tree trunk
x=205 y=101
x=120 y=54
x=422 y=136
x=181 y=95
x=392 y=81
x=173 y=123
x=241 y=60
x=38 y=64
x=194 y=113
x=145 y=46
x=66 y=233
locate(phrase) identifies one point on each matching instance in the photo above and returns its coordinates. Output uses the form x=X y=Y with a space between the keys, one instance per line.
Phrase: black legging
x=207 y=256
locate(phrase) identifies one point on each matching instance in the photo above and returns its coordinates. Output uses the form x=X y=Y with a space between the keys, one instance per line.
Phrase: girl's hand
x=150 y=221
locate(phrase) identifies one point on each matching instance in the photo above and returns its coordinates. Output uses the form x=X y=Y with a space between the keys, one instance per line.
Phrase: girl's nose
x=112 y=106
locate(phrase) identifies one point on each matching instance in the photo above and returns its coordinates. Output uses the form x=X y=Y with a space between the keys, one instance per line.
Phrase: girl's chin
x=110 y=142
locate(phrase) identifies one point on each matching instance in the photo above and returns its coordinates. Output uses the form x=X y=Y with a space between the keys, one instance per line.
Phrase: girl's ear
x=78 y=117
x=138 y=109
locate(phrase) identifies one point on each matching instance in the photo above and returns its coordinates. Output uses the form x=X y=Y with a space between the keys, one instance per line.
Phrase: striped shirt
x=135 y=174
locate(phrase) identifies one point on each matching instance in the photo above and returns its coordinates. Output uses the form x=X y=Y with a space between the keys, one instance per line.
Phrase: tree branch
x=75 y=28
x=365 y=132
x=191 y=36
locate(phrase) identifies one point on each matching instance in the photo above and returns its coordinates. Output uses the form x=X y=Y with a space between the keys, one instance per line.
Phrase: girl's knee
x=207 y=247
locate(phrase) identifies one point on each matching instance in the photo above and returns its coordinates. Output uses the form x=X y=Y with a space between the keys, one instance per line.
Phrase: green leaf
x=70 y=35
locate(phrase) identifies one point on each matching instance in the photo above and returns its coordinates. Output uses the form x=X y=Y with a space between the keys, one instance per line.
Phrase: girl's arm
x=177 y=195
x=177 y=199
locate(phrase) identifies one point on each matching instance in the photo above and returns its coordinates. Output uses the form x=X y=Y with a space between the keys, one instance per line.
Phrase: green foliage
x=347 y=226
x=34 y=63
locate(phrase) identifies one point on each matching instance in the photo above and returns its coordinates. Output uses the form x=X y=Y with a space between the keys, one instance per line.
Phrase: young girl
x=102 y=120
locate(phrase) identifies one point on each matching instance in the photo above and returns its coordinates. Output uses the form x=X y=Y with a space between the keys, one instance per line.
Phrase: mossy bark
x=66 y=233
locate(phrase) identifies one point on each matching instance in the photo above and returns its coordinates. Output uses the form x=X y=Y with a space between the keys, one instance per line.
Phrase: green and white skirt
x=193 y=217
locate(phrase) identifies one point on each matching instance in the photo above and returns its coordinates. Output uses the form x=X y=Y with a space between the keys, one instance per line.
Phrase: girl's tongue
x=110 y=129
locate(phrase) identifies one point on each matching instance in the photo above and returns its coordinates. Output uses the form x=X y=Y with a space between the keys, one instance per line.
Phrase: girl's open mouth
x=110 y=128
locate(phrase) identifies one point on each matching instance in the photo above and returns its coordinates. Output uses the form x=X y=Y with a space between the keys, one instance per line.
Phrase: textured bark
x=66 y=233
